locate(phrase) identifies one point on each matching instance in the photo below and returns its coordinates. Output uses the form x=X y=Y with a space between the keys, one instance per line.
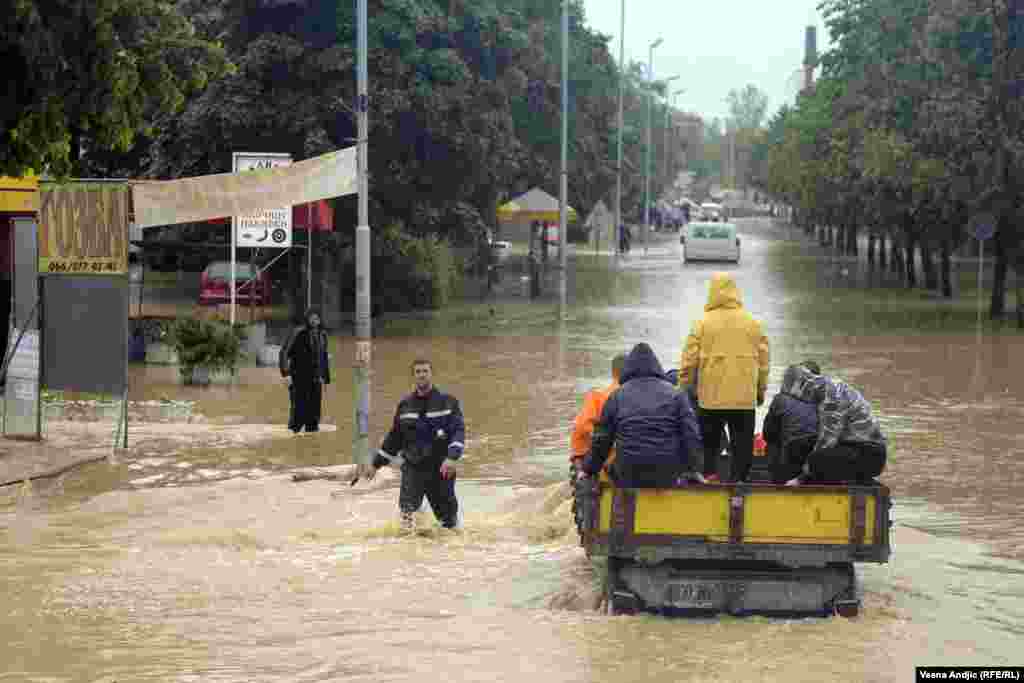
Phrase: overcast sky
x=715 y=45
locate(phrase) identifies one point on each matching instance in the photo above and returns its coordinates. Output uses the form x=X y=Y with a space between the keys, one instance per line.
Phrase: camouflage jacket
x=844 y=415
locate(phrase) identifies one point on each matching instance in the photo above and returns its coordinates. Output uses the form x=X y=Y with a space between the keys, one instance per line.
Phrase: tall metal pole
x=647 y=162
x=664 y=131
x=664 y=134
x=361 y=426
x=234 y=256
x=309 y=257
x=564 y=180
x=622 y=89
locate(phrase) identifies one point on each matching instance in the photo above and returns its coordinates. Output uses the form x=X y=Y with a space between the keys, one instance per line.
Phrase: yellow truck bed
x=773 y=546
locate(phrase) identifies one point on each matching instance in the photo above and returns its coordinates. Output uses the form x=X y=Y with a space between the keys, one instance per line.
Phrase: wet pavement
x=195 y=557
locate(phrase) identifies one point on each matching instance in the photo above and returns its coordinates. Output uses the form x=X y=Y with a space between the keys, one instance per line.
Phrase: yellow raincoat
x=726 y=352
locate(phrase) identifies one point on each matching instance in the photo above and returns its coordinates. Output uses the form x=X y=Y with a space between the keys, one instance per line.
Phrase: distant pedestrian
x=303 y=361
x=427 y=439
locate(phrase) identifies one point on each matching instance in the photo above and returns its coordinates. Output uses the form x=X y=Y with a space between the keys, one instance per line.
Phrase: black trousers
x=788 y=461
x=846 y=461
x=306 y=398
x=741 y=435
x=440 y=493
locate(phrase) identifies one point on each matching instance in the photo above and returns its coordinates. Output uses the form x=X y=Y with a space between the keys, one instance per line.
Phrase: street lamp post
x=664 y=153
x=664 y=133
x=622 y=87
x=647 y=163
x=361 y=367
x=563 y=190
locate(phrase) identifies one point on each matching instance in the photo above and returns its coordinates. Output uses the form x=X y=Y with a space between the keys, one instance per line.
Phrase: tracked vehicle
x=755 y=548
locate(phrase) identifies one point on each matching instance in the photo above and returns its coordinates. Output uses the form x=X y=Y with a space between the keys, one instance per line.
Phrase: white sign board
x=271 y=228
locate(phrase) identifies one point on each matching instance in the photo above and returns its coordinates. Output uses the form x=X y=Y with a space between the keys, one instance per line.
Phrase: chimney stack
x=810 y=55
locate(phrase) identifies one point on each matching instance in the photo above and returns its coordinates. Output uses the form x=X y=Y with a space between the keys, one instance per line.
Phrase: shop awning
x=535 y=205
x=191 y=200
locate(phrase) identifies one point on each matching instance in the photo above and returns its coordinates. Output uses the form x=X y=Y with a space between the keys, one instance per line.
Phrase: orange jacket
x=583 y=425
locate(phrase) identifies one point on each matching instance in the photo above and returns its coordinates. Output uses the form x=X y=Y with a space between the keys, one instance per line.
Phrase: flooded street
x=205 y=562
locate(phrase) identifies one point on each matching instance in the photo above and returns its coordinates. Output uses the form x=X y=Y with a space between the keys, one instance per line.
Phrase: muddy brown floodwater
x=195 y=557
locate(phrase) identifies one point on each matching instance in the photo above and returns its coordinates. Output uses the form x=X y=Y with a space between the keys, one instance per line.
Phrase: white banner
x=268 y=227
x=166 y=202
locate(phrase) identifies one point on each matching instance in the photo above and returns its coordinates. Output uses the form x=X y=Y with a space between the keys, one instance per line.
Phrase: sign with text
x=269 y=228
x=83 y=229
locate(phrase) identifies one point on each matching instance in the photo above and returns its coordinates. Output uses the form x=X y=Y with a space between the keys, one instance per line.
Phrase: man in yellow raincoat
x=727 y=353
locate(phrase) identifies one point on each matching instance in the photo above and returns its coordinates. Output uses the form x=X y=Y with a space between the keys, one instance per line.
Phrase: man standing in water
x=728 y=352
x=303 y=361
x=427 y=438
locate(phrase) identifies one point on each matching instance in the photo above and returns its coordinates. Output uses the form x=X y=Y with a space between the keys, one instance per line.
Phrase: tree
x=747 y=107
x=93 y=75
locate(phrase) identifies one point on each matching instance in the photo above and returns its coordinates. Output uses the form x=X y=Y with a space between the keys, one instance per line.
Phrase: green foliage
x=93 y=75
x=747 y=107
x=205 y=344
x=413 y=272
x=915 y=124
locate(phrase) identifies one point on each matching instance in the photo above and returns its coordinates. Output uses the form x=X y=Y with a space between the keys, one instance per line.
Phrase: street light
x=622 y=86
x=666 y=82
x=664 y=135
x=563 y=189
x=364 y=340
x=647 y=163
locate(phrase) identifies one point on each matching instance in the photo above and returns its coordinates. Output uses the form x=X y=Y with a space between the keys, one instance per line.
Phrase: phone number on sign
x=82 y=267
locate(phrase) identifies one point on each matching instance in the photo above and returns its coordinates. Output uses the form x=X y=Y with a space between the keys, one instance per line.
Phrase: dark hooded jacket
x=844 y=415
x=651 y=424
x=304 y=355
x=790 y=417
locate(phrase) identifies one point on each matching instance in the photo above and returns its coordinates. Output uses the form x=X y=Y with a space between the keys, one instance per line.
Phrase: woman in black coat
x=303 y=361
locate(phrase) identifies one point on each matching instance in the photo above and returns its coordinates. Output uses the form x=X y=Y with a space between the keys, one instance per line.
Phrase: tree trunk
x=947 y=281
x=931 y=277
x=911 y=263
x=872 y=242
x=1019 y=281
x=882 y=260
x=998 y=307
x=896 y=256
x=851 y=239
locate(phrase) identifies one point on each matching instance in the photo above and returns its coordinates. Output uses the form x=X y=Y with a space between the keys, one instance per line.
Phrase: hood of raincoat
x=801 y=383
x=641 y=362
x=723 y=293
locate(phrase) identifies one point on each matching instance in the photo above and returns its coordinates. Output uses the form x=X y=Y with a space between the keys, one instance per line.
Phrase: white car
x=710 y=241
x=711 y=211
x=500 y=250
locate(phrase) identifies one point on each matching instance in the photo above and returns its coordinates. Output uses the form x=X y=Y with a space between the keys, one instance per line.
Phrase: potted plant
x=204 y=346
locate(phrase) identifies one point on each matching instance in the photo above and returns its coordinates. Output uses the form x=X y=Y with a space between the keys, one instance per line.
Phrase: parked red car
x=251 y=288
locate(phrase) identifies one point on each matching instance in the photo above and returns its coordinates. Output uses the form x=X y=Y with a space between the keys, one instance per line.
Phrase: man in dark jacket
x=651 y=424
x=850 y=444
x=790 y=427
x=303 y=361
x=427 y=439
